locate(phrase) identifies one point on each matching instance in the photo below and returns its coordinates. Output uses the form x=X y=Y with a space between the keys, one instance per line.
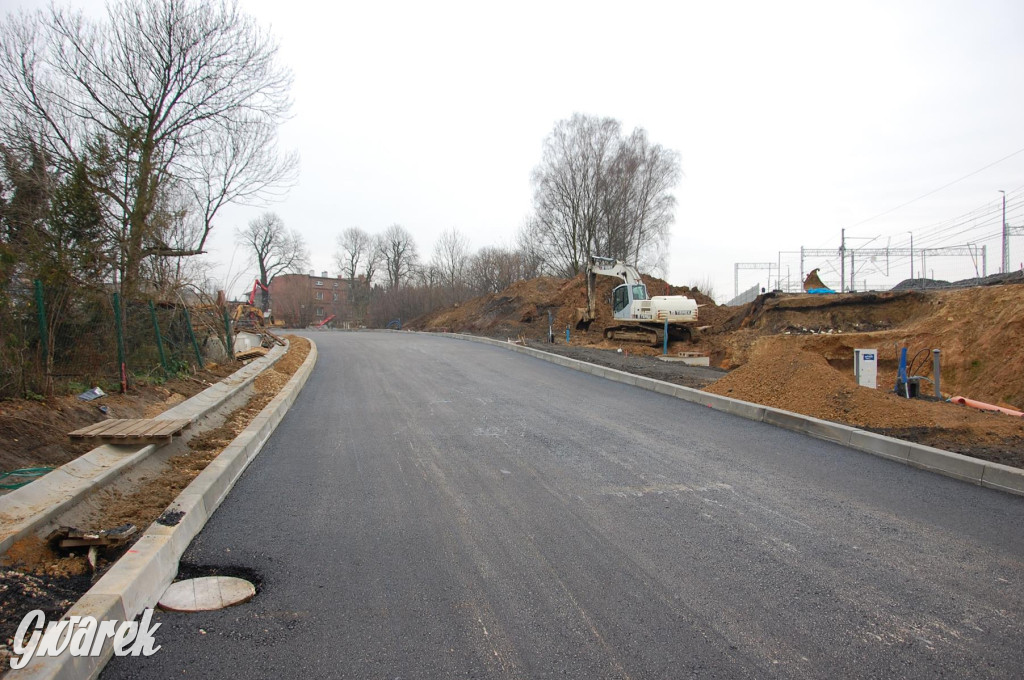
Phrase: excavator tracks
x=630 y=333
x=652 y=334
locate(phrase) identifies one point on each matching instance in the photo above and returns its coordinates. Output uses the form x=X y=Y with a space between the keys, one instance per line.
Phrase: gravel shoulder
x=696 y=377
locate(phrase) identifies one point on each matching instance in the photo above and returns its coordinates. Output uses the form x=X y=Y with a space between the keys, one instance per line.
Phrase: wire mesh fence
x=56 y=339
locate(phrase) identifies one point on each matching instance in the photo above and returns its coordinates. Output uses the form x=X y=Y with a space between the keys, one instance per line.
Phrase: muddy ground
x=34 y=433
x=35 y=576
x=630 y=361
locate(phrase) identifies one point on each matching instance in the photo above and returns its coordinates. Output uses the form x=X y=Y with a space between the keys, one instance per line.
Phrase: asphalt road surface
x=431 y=508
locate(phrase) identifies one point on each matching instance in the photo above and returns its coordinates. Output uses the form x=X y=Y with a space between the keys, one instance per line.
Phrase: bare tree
x=494 y=268
x=162 y=97
x=273 y=249
x=374 y=259
x=654 y=173
x=355 y=248
x=451 y=255
x=357 y=259
x=597 y=193
x=529 y=244
x=398 y=255
x=567 y=189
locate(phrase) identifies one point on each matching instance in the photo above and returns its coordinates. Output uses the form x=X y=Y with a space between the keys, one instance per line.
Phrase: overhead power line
x=935 y=191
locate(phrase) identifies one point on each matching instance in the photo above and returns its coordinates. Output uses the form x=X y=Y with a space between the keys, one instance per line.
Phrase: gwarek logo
x=81 y=636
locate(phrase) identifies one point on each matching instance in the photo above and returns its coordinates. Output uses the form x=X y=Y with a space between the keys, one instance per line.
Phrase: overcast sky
x=792 y=120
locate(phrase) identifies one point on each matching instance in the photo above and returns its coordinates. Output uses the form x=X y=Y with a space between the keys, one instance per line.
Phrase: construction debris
x=70 y=538
x=252 y=353
x=66 y=538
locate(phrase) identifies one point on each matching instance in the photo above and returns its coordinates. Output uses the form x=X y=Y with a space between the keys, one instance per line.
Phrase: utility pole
x=1006 y=238
x=842 y=262
x=911 y=254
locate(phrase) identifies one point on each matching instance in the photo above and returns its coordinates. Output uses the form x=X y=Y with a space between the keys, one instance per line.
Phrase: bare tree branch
x=274 y=250
x=162 y=97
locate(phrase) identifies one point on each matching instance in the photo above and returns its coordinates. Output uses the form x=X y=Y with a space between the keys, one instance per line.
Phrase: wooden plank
x=132 y=429
x=251 y=353
x=88 y=430
x=169 y=427
x=150 y=428
x=112 y=425
x=124 y=426
x=179 y=425
x=138 y=427
x=100 y=426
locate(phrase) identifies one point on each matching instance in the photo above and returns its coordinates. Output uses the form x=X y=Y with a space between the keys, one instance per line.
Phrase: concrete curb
x=33 y=505
x=139 y=578
x=965 y=468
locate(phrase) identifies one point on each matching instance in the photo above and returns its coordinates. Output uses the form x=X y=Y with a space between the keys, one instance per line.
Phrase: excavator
x=643 y=317
x=249 y=314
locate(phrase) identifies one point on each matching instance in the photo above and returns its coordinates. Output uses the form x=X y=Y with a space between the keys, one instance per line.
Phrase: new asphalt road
x=431 y=508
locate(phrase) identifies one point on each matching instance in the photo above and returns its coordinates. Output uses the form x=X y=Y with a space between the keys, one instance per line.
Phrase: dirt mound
x=978 y=330
x=782 y=312
x=522 y=309
x=805 y=382
x=990 y=280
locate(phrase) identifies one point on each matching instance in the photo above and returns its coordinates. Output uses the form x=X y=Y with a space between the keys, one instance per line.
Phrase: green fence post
x=120 y=343
x=192 y=335
x=159 y=340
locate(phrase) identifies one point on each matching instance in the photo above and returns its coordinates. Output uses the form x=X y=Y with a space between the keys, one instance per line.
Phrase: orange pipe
x=982 y=406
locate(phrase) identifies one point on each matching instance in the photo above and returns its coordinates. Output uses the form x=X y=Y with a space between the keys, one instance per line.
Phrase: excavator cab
x=623 y=297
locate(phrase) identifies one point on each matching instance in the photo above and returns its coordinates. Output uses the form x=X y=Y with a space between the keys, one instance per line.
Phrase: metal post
x=192 y=336
x=853 y=270
x=801 y=266
x=231 y=339
x=1006 y=238
x=842 y=262
x=736 y=279
x=44 y=336
x=159 y=339
x=936 y=373
x=567 y=334
x=911 y=254
x=984 y=261
x=664 y=349
x=121 y=362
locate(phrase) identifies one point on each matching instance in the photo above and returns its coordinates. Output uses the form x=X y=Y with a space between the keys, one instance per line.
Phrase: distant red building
x=300 y=300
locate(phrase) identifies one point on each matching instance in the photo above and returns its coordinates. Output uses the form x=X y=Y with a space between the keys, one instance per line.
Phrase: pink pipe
x=982 y=406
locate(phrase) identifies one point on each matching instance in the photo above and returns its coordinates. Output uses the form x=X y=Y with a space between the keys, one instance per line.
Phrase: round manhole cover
x=206 y=593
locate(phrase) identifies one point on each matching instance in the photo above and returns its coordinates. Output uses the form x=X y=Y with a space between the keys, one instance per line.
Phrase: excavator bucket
x=813 y=282
x=582 y=319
